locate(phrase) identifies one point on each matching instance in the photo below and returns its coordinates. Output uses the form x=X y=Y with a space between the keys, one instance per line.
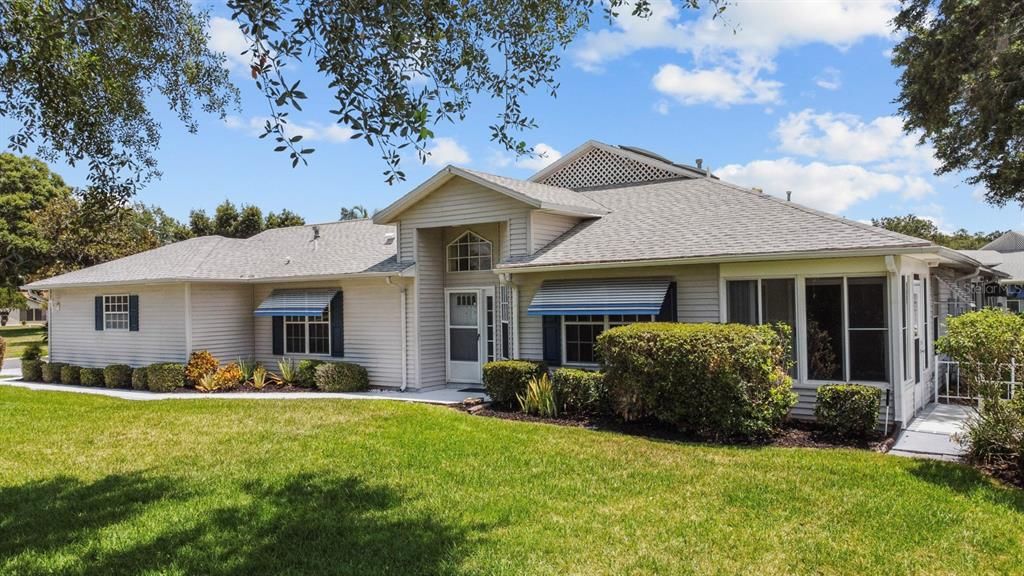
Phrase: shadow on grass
x=305 y=524
x=968 y=481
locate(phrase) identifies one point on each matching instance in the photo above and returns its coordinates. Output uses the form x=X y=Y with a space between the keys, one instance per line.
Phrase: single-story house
x=34 y=311
x=469 y=267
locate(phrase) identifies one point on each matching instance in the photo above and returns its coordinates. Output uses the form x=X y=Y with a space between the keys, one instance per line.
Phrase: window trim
x=305 y=331
x=607 y=324
x=127 y=313
x=479 y=240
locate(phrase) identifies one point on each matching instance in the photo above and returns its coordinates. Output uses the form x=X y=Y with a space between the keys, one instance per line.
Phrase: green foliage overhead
x=357 y=212
x=963 y=85
x=11 y=299
x=81 y=77
x=918 y=227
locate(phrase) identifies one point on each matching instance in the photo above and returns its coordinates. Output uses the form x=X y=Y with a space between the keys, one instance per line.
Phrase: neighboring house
x=469 y=267
x=34 y=311
x=1005 y=255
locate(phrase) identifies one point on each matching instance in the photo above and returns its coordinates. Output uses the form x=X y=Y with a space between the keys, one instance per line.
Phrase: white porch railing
x=951 y=389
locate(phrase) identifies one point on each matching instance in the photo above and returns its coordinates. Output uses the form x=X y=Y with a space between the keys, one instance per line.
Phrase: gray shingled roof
x=1010 y=263
x=344 y=248
x=702 y=217
x=550 y=197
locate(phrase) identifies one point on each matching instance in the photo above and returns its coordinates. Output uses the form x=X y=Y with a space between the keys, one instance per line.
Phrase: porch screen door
x=464 y=337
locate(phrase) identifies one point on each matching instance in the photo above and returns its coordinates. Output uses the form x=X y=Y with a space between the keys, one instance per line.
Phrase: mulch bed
x=795 y=434
x=1005 y=472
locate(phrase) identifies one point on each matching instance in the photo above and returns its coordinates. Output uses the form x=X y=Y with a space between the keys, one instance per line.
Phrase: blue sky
x=798 y=98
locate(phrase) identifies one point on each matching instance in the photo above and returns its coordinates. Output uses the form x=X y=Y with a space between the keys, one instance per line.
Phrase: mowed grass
x=18 y=337
x=91 y=485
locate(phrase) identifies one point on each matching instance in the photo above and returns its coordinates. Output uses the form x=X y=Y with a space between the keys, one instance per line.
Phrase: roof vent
x=287 y=260
x=700 y=162
x=316 y=232
x=389 y=238
x=789 y=195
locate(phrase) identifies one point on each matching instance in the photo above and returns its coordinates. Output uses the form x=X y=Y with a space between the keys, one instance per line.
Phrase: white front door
x=467 y=330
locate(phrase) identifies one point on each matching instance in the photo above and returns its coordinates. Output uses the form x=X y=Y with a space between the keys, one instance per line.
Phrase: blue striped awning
x=296 y=302
x=598 y=297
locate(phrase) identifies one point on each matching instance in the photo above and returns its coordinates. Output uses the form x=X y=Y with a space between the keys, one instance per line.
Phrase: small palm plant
x=259 y=377
x=208 y=383
x=289 y=371
x=539 y=398
x=247 y=367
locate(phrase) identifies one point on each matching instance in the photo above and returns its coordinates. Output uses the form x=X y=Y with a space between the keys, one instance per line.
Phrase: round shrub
x=712 y=380
x=165 y=377
x=70 y=374
x=33 y=351
x=505 y=380
x=117 y=376
x=31 y=370
x=228 y=377
x=139 y=378
x=848 y=410
x=51 y=372
x=91 y=376
x=579 y=391
x=307 y=372
x=200 y=363
x=341 y=377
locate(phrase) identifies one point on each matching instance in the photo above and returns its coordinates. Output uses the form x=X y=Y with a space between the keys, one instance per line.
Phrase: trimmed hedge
x=711 y=380
x=139 y=378
x=307 y=373
x=31 y=370
x=51 y=372
x=117 y=376
x=580 y=391
x=91 y=376
x=70 y=374
x=341 y=377
x=505 y=379
x=848 y=410
x=165 y=377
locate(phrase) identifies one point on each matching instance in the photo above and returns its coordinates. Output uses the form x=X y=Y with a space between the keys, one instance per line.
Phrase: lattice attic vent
x=602 y=168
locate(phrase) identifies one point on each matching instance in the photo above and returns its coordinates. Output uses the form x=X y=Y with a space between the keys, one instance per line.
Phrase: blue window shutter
x=338 y=325
x=669 y=311
x=552 y=334
x=277 y=323
x=133 y=313
x=99 y=312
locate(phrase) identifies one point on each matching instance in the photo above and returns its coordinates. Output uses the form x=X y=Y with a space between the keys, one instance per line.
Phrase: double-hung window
x=308 y=334
x=115 y=312
x=580 y=334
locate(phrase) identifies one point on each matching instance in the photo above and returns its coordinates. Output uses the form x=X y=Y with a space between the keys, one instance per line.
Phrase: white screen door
x=465 y=354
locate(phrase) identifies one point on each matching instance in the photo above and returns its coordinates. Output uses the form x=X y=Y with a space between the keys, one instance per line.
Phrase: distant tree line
x=923 y=228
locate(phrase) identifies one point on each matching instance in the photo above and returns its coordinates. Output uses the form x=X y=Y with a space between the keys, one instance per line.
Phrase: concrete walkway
x=930 y=434
x=446 y=396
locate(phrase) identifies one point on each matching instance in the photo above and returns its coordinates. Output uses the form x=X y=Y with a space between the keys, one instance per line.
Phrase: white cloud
x=446 y=151
x=750 y=29
x=226 y=37
x=310 y=132
x=731 y=53
x=847 y=138
x=829 y=79
x=545 y=156
x=832 y=188
x=662 y=107
x=717 y=86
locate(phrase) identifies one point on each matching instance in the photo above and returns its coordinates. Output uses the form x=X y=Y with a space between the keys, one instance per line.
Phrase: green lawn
x=102 y=486
x=18 y=337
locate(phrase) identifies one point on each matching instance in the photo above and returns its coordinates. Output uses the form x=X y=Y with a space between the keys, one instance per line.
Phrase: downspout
x=402 y=312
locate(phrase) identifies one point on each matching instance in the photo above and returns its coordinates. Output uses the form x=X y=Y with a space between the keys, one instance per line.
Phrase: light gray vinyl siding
x=461 y=203
x=545 y=227
x=222 y=320
x=696 y=296
x=430 y=308
x=161 y=336
x=372 y=322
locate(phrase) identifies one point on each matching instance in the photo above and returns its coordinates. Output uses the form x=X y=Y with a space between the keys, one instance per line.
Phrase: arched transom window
x=469 y=252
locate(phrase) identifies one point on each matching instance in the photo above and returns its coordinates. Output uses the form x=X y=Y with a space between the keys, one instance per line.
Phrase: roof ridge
x=823 y=214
